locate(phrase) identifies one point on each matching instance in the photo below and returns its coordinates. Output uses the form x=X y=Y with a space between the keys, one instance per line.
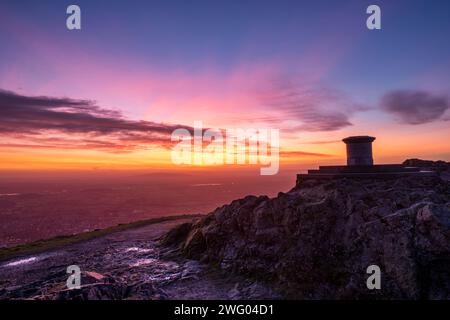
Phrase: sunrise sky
x=109 y=95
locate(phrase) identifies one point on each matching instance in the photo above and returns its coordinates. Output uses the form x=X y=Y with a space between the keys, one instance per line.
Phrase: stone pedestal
x=359 y=150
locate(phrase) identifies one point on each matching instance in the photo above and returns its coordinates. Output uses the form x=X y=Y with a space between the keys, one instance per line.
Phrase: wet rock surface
x=129 y=264
x=317 y=240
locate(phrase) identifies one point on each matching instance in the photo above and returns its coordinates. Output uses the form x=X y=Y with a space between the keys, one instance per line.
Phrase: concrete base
x=384 y=171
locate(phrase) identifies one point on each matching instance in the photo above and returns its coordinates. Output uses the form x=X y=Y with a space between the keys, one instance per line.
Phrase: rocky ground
x=317 y=240
x=124 y=265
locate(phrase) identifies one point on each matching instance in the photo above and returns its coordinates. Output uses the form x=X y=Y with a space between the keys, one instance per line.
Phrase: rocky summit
x=318 y=240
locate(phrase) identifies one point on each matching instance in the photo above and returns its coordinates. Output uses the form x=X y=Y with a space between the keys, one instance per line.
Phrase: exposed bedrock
x=317 y=240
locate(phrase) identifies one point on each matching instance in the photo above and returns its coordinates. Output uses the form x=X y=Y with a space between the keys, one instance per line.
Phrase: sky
x=110 y=95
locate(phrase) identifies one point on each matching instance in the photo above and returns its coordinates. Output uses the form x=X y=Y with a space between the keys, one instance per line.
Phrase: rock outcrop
x=441 y=167
x=317 y=240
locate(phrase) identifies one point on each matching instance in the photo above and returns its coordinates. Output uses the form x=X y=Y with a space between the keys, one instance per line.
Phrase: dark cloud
x=81 y=122
x=415 y=107
x=303 y=154
x=312 y=109
x=322 y=142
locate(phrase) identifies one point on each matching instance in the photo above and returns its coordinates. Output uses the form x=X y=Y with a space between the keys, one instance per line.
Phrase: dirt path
x=122 y=265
